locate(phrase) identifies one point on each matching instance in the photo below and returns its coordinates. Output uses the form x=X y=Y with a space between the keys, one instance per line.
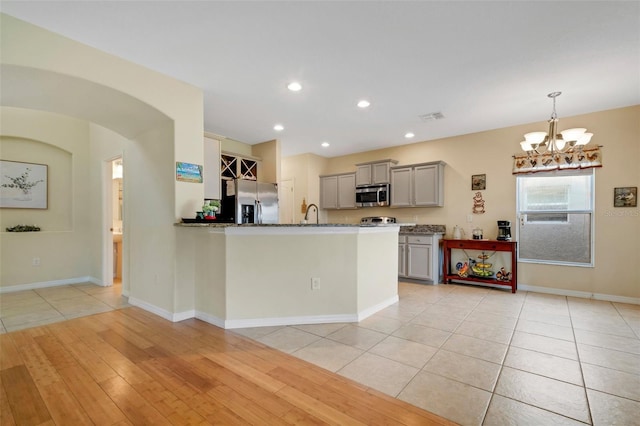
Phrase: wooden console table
x=485 y=246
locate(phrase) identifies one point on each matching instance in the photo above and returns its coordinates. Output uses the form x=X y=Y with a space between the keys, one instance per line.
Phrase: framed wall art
x=626 y=196
x=478 y=182
x=23 y=185
x=187 y=172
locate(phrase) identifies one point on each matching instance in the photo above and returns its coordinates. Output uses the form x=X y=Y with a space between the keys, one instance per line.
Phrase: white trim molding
x=376 y=308
x=265 y=322
x=169 y=316
x=53 y=283
x=580 y=294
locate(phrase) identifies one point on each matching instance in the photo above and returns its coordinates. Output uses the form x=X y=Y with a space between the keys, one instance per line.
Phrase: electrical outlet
x=469 y=218
x=315 y=283
x=35 y=261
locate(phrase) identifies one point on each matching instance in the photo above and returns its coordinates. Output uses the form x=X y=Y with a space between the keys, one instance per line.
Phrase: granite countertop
x=405 y=229
x=282 y=225
x=422 y=229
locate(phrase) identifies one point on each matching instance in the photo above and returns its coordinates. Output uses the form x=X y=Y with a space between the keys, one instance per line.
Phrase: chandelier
x=553 y=142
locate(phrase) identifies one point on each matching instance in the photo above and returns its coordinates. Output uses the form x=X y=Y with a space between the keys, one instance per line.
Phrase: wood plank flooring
x=129 y=367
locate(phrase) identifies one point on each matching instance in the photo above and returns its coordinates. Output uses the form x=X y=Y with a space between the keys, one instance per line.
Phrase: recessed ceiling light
x=278 y=127
x=294 y=86
x=409 y=135
x=325 y=144
x=363 y=103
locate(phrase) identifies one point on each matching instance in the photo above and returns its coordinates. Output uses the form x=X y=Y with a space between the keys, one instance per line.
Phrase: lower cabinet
x=418 y=257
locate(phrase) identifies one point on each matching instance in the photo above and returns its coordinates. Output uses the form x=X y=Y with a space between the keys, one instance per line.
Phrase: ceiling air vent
x=432 y=116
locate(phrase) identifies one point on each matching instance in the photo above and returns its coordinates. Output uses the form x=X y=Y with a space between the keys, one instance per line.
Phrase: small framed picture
x=626 y=196
x=478 y=182
x=23 y=185
x=187 y=172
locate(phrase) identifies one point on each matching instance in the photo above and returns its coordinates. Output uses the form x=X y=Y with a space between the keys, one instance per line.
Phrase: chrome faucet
x=306 y=214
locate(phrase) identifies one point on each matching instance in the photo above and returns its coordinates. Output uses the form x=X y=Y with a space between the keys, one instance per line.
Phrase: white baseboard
x=298 y=320
x=376 y=308
x=53 y=283
x=218 y=322
x=266 y=322
x=163 y=313
x=581 y=294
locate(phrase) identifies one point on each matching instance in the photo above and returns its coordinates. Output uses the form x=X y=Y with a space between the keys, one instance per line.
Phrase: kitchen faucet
x=306 y=214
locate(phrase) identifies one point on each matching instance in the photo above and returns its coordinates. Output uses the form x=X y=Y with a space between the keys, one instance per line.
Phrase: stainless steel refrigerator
x=251 y=201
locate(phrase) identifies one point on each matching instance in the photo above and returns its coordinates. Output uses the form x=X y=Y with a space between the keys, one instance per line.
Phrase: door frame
x=107 y=221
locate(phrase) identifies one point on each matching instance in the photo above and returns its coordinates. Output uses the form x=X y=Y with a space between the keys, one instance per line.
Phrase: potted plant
x=209 y=208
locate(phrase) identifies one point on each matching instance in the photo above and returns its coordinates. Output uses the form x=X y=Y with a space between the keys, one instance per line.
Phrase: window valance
x=578 y=159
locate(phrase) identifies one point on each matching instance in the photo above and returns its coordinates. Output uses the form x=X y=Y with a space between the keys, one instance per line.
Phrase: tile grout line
x=575 y=343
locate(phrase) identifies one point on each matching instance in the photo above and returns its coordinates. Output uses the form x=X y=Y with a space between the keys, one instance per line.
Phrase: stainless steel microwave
x=372 y=195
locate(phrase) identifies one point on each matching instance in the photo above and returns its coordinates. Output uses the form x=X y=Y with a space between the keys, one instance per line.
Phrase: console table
x=484 y=246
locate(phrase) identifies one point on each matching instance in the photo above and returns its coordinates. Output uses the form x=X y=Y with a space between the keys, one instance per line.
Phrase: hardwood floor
x=131 y=367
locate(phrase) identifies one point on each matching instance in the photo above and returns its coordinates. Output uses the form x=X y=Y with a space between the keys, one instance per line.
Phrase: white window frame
x=591 y=211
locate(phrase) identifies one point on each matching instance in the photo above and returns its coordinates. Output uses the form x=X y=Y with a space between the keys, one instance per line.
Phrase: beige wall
x=269 y=153
x=61 y=143
x=260 y=276
x=173 y=114
x=304 y=170
x=617 y=231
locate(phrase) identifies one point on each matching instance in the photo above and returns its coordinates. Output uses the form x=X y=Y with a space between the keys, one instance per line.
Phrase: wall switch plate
x=469 y=218
x=315 y=283
x=35 y=261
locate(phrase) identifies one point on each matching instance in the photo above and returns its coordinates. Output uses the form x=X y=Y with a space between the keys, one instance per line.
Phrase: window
x=555 y=211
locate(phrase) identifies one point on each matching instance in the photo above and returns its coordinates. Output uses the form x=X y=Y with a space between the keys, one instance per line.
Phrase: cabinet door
x=419 y=261
x=427 y=189
x=329 y=192
x=347 y=191
x=211 y=169
x=380 y=173
x=401 y=187
x=402 y=250
x=363 y=175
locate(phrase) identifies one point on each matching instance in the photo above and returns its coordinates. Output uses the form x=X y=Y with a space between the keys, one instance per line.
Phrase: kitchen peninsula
x=250 y=275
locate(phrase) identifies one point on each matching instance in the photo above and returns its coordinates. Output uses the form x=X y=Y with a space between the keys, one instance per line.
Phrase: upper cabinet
x=236 y=167
x=211 y=169
x=418 y=185
x=338 y=191
x=374 y=172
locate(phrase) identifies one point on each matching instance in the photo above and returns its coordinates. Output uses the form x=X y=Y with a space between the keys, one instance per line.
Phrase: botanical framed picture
x=23 y=185
x=626 y=196
x=478 y=182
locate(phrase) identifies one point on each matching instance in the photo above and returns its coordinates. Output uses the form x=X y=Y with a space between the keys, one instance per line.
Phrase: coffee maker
x=504 y=230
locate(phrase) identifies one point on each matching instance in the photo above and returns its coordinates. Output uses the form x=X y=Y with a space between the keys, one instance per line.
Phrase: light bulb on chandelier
x=554 y=142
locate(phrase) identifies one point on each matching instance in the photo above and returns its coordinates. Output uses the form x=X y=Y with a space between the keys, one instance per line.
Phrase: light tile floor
x=474 y=355
x=482 y=356
x=31 y=308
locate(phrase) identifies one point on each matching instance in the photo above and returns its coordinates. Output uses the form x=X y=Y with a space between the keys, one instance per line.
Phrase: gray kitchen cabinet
x=338 y=191
x=374 y=173
x=402 y=256
x=418 y=185
x=401 y=187
x=211 y=169
x=419 y=257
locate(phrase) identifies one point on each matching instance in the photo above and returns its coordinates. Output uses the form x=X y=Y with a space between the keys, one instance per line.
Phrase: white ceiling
x=484 y=65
